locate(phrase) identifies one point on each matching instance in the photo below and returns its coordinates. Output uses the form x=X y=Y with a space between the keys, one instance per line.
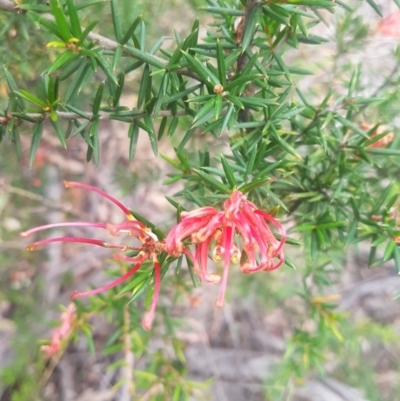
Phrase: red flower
x=148 y=250
x=240 y=219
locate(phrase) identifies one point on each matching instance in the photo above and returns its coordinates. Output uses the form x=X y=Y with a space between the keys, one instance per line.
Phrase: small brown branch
x=102 y=41
x=102 y=115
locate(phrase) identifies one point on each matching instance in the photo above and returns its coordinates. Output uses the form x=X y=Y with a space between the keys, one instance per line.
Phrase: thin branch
x=102 y=115
x=104 y=42
x=35 y=197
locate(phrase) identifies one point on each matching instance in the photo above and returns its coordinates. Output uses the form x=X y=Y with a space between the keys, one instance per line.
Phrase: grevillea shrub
x=267 y=162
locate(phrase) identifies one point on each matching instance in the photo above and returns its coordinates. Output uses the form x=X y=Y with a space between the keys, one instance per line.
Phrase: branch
x=104 y=42
x=102 y=115
x=35 y=197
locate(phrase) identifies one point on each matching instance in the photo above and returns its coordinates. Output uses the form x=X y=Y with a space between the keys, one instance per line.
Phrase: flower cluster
x=239 y=225
x=149 y=247
x=240 y=233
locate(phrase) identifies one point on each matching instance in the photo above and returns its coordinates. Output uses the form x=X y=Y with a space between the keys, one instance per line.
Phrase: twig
x=104 y=42
x=102 y=115
x=39 y=198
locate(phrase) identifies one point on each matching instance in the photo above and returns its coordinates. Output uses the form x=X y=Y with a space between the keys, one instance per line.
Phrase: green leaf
x=133 y=134
x=185 y=139
x=11 y=83
x=227 y=119
x=396 y=256
x=74 y=19
x=120 y=87
x=57 y=127
x=172 y=126
x=228 y=172
x=161 y=94
x=161 y=129
x=52 y=90
x=61 y=20
x=254 y=184
x=250 y=28
x=144 y=84
x=117 y=58
x=283 y=143
x=205 y=110
x=375 y=7
x=281 y=65
x=218 y=106
x=94 y=134
x=106 y=68
x=257 y=102
x=31 y=98
x=49 y=25
x=97 y=99
x=205 y=74
x=131 y=30
x=77 y=111
x=36 y=138
x=147 y=125
x=221 y=64
x=316 y=3
x=87 y=30
x=152 y=136
x=63 y=58
x=389 y=250
x=116 y=20
x=212 y=181
x=355 y=77
x=240 y=80
x=88 y=3
x=154 y=228
x=223 y=11
x=142 y=35
x=80 y=129
x=384 y=151
x=17 y=142
x=34 y=7
x=145 y=57
x=236 y=101
x=189 y=42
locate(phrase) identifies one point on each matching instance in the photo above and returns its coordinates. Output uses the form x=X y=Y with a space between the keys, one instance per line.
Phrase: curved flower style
x=149 y=249
x=206 y=226
x=62 y=332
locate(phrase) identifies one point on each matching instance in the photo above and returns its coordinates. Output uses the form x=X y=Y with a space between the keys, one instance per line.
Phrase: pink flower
x=62 y=332
x=390 y=25
x=148 y=250
x=239 y=225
